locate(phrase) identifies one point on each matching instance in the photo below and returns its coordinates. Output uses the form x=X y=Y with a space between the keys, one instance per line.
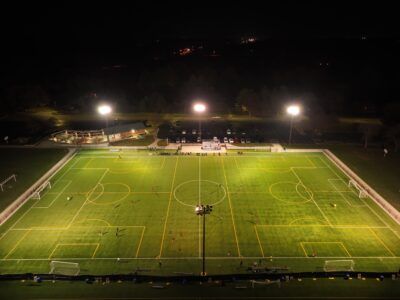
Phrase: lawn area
x=294 y=289
x=29 y=165
x=134 y=210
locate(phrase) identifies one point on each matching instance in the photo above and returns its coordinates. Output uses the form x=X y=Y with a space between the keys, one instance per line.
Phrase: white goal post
x=64 y=268
x=4 y=182
x=361 y=192
x=339 y=265
x=38 y=193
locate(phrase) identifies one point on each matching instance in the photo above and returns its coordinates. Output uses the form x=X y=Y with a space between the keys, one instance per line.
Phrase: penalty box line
x=77 y=244
x=338 y=243
x=74 y=244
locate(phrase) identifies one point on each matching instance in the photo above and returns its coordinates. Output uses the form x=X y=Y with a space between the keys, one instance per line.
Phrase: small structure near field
x=110 y=134
x=125 y=131
x=211 y=145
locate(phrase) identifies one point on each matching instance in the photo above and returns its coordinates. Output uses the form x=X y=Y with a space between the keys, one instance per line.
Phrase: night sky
x=63 y=51
x=71 y=26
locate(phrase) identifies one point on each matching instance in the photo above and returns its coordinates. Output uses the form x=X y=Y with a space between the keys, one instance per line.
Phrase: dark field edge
x=215 y=288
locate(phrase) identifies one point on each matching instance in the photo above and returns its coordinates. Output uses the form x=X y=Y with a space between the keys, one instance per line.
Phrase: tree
x=369 y=131
x=393 y=134
x=248 y=101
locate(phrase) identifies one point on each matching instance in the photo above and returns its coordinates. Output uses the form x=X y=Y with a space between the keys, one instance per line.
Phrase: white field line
x=211 y=258
x=140 y=242
x=230 y=206
x=86 y=200
x=322 y=225
x=169 y=205
x=316 y=204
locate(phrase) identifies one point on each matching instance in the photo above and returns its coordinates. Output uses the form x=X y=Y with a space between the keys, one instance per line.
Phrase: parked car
x=183 y=131
x=194 y=131
x=231 y=141
x=225 y=140
x=183 y=140
x=215 y=139
x=242 y=141
x=248 y=141
x=178 y=141
x=228 y=131
x=198 y=139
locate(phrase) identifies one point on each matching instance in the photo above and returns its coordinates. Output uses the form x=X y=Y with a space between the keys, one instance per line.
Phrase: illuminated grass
x=270 y=207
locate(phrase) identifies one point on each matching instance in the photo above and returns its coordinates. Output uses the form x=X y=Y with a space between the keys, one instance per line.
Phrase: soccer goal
x=361 y=192
x=339 y=265
x=64 y=268
x=4 y=182
x=39 y=192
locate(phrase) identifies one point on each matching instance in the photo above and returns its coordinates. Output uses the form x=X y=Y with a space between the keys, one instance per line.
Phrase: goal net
x=5 y=181
x=361 y=192
x=339 y=265
x=64 y=268
x=39 y=192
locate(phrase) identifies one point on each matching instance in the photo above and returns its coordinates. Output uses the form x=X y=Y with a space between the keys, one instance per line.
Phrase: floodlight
x=293 y=110
x=199 y=107
x=104 y=109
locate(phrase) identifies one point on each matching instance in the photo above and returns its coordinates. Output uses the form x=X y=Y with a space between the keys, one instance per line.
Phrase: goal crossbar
x=4 y=182
x=64 y=268
x=339 y=265
x=362 y=193
x=37 y=194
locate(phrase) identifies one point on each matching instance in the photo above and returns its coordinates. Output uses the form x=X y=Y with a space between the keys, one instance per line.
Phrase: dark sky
x=45 y=29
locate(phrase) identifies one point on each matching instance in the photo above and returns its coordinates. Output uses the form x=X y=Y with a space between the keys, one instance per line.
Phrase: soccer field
x=121 y=212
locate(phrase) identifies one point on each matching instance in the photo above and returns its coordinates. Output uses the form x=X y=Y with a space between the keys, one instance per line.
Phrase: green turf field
x=291 y=210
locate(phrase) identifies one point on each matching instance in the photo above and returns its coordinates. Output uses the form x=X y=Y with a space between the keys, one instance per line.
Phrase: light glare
x=104 y=109
x=199 y=107
x=293 y=110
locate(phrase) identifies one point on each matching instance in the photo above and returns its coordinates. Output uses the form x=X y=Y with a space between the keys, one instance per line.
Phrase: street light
x=292 y=110
x=199 y=108
x=203 y=210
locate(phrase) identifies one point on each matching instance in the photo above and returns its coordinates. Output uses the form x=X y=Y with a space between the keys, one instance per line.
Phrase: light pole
x=199 y=108
x=105 y=110
x=203 y=210
x=292 y=110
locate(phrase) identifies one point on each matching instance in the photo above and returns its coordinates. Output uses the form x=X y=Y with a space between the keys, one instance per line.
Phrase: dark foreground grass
x=294 y=289
x=29 y=165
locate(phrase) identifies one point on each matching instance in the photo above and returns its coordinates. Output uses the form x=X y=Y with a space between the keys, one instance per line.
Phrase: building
x=125 y=131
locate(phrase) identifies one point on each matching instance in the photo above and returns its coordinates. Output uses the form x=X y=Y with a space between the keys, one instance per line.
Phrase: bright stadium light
x=104 y=109
x=199 y=108
x=292 y=110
